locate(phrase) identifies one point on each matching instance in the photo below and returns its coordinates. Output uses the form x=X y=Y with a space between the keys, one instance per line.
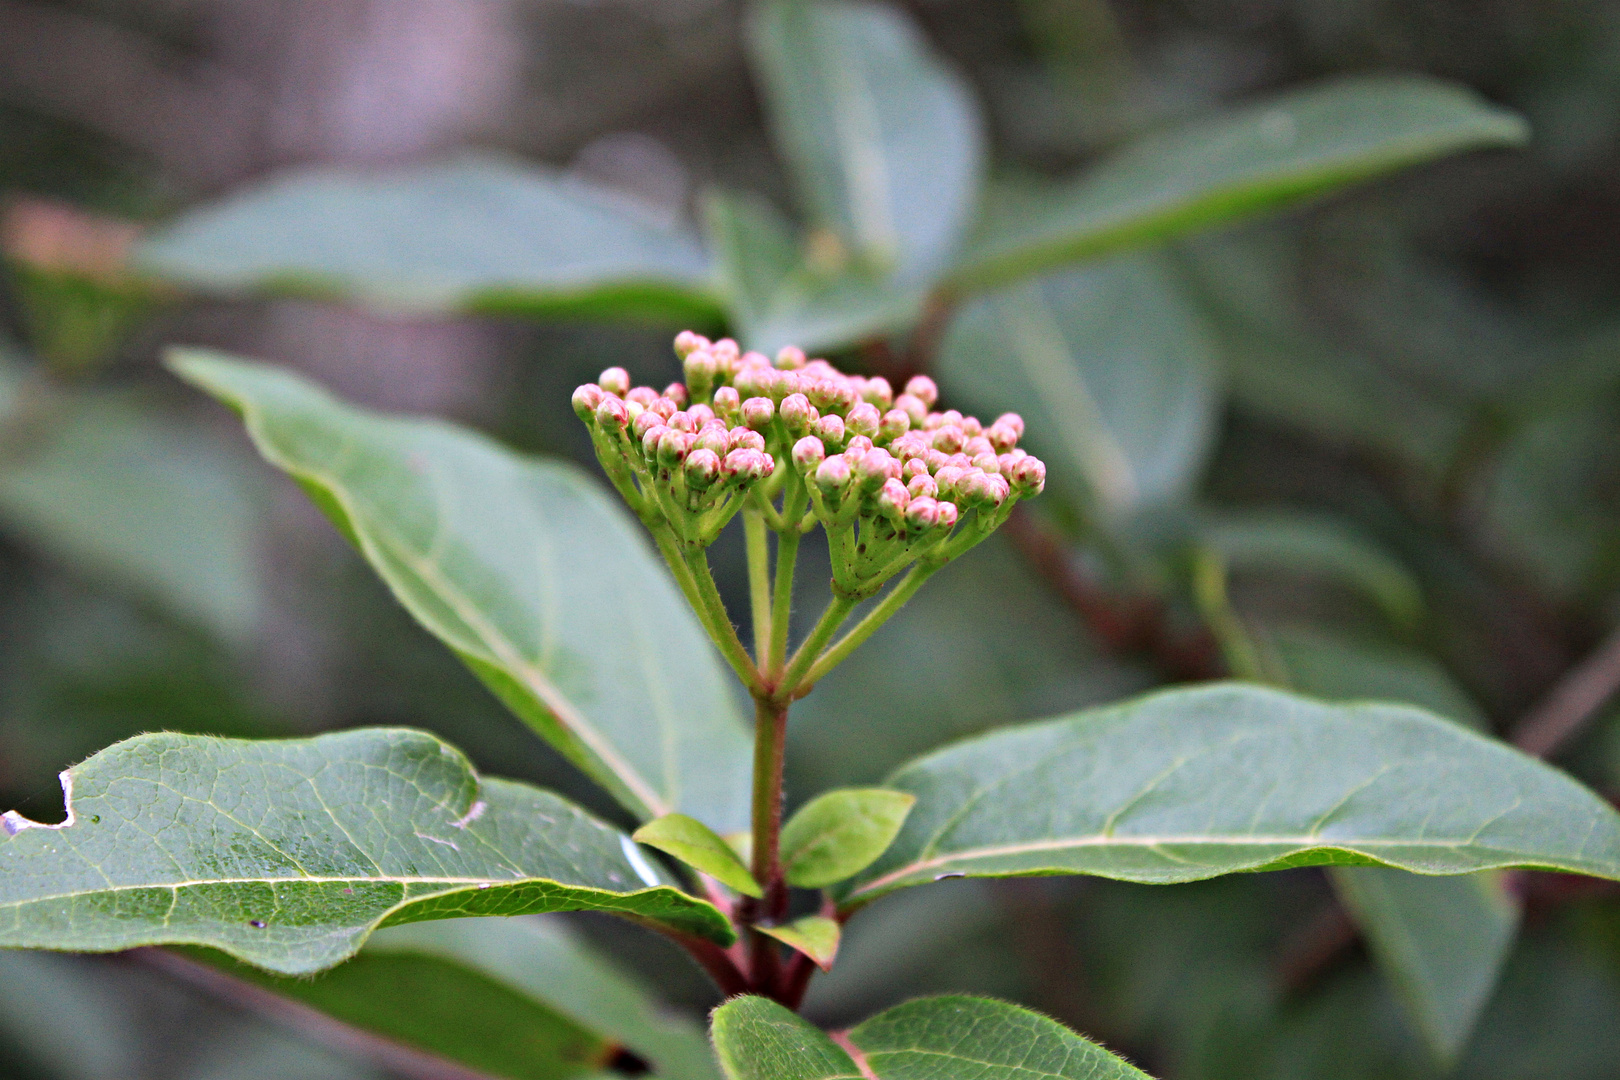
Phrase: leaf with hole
x=696 y=845
x=839 y=833
x=288 y=854
x=525 y=568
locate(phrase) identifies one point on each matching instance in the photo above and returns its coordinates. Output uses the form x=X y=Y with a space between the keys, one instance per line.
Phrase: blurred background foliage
x=1366 y=448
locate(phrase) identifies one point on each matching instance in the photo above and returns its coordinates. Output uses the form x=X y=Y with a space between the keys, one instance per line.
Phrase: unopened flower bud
x=686 y=341
x=700 y=371
x=1028 y=475
x=981 y=489
x=757 y=412
x=1009 y=459
x=878 y=392
x=612 y=414
x=808 y=453
x=665 y=406
x=790 y=358
x=936 y=459
x=1003 y=437
x=1012 y=420
x=745 y=465
x=961 y=461
x=832 y=396
x=856 y=446
x=701 y=414
x=682 y=421
x=728 y=404
x=976 y=445
x=641 y=395
x=894 y=424
x=947 y=479
x=645 y=423
x=754 y=358
x=753 y=382
x=830 y=429
x=987 y=462
x=863 y=419
x=586 y=399
x=922 y=513
x=892 y=498
x=948 y=515
x=951 y=416
x=971 y=427
x=913 y=407
x=650 y=440
x=921 y=486
x=933 y=421
x=798 y=415
x=615 y=380
x=948 y=438
x=714 y=437
x=874 y=467
x=833 y=475
x=923 y=389
x=910 y=467
x=726 y=352
x=740 y=438
x=676 y=392
x=702 y=468
x=673 y=446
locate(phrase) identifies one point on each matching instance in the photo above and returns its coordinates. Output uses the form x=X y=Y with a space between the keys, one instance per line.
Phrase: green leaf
x=757 y=1039
x=969 y=1038
x=479 y=234
x=123 y=492
x=883 y=139
x=1275 y=540
x=1339 y=668
x=695 y=844
x=1112 y=369
x=287 y=854
x=1193 y=783
x=527 y=570
x=840 y=833
x=814 y=935
x=1241 y=161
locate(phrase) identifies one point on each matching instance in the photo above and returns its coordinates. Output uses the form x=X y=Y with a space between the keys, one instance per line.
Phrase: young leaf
x=840 y=833
x=476 y=234
x=757 y=1039
x=1242 y=161
x=1190 y=784
x=970 y=1038
x=885 y=141
x=288 y=854
x=814 y=935
x=1111 y=367
x=695 y=844
x=535 y=578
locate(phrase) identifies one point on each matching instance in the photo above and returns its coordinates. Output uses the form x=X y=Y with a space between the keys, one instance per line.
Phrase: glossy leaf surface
x=814 y=935
x=1112 y=369
x=840 y=833
x=1254 y=158
x=696 y=845
x=883 y=139
x=474 y=234
x=1190 y=784
x=525 y=568
x=287 y=854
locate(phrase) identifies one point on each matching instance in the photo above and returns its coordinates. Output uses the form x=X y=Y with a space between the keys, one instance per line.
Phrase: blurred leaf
x=121 y=491
x=884 y=140
x=1189 y=784
x=524 y=568
x=757 y=1039
x=1114 y=372
x=840 y=833
x=1339 y=668
x=696 y=845
x=287 y=854
x=1242 y=161
x=1295 y=543
x=478 y=234
x=814 y=935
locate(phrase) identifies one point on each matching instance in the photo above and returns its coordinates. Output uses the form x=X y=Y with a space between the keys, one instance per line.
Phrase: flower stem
x=838 y=609
x=875 y=618
x=787 y=554
x=712 y=612
x=770 y=740
x=759 y=581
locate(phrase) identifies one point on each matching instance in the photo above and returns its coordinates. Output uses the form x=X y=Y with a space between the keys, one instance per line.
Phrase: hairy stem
x=866 y=627
x=712 y=611
x=837 y=611
x=759 y=582
x=770 y=739
x=787 y=554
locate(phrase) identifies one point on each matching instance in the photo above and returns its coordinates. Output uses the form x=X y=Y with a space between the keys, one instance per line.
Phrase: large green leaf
x=941 y=1038
x=1192 y=783
x=884 y=140
x=121 y=491
x=475 y=234
x=1241 y=161
x=531 y=573
x=1112 y=369
x=287 y=854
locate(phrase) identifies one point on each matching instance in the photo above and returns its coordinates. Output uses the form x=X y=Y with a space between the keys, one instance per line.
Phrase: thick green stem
x=837 y=611
x=866 y=627
x=711 y=610
x=759 y=581
x=787 y=555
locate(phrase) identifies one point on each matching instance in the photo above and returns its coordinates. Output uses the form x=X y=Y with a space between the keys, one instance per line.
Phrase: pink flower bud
x=798 y=415
x=833 y=475
x=830 y=429
x=863 y=419
x=790 y=358
x=586 y=399
x=981 y=489
x=650 y=440
x=933 y=421
x=676 y=392
x=913 y=444
x=892 y=498
x=642 y=395
x=757 y=412
x=923 y=389
x=1014 y=421
x=1028 y=475
x=922 y=486
x=976 y=445
x=878 y=392
x=947 y=516
x=922 y=513
x=666 y=406
x=910 y=467
x=726 y=352
x=971 y=427
x=894 y=424
x=754 y=359
x=702 y=468
x=682 y=421
x=987 y=462
x=961 y=461
x=744 y=465
x=612 y=414
x=645 y=423
x=615 y=381
x=713 y=436
x=951 y=416
x=701 y=414
x=820 y=369
x=700 y=370
x=947 y=479
x=948 y=438
x=1002 y=436
x=913 y=407
x=808 y=453
x=740 y=438
x=754 y=382
x=728 y=404
x=1009 y=459
x=874 y=467
x=673 y=446
x=857 y=445
x=832 y=395
x=686 y=341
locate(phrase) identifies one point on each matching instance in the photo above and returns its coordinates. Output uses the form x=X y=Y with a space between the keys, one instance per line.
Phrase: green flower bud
x=948 y=438
x=714 y=437
x=728 y=404
x=754 y=382
x=615 y=380
x=650 y=440
x=673 y=446
x=832 y=395
x=971 y=427
x=682 y=421
x=701 y=370
x=745 y=465
x=833 y=475
x=947 y=479
x=586 y=399
x=808 y=453
x=878 y=392
x=702 y=468
x=987 y=462
x=894 y=424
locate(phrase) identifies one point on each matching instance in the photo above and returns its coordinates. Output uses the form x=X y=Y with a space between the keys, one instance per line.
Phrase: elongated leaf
x=696 y=845
x=1189 y=784
x=288 y=854
x=124 y=493
x=885 y=141
x=814 y=935
x=1112 y=369
x=536 y=578
x=757 y=1039
x=475 y=234
x=840 y=833
x=1243 y=161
